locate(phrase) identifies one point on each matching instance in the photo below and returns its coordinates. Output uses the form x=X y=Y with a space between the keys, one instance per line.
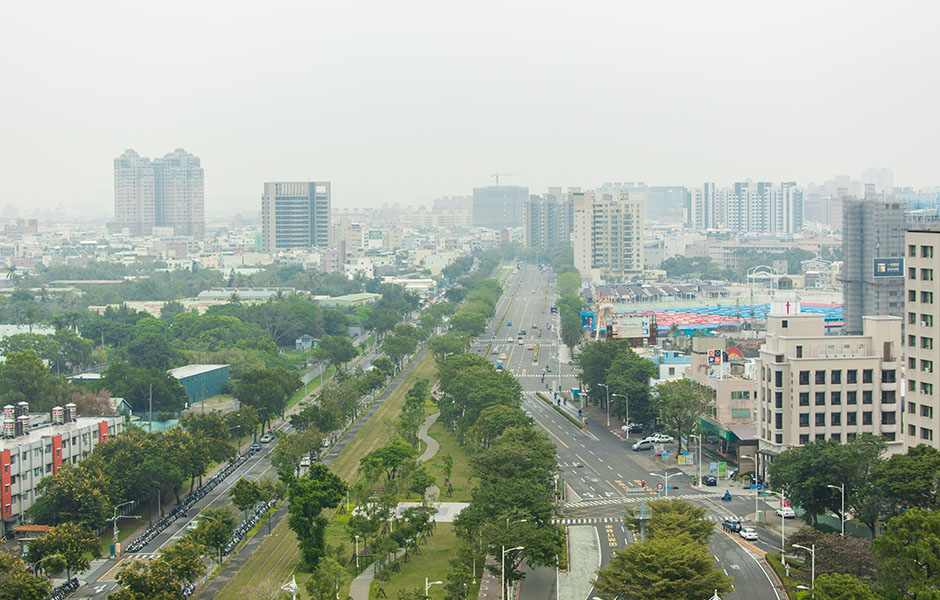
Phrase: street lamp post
x=428 y=584
x=38 y=562
x=220 y=547
x=665 y=476
x=841 y=488
x=626 y=404
x=606 y=387
x=692 y=435
x=812 y=552
x=291 y=588
x=114 y=521
x=357 y=553
x=503 y=569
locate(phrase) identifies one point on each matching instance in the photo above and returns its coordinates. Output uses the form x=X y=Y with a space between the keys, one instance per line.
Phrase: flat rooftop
x=48 y=430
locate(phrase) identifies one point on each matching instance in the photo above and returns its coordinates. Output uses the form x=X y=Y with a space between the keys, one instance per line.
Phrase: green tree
x=452 y=342
x=170 y=309
x=215 y=528
x=72 y=541
x=338 y=350
x=661 y=569
x=135 y=385
x=909 y=555
x=400 y=344
x=326 y=580
x=245 y=494
x=420 y=481
x=681 y=403
x=308 y=496
x=17 y=583
x=71 y=495
x=672 y=518
x=142 y=580
x=910 y=480
x=839 y=586
x=388 y=459
x=184 y=558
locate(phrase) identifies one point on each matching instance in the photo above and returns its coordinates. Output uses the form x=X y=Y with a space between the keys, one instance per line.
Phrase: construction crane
x=497 y=174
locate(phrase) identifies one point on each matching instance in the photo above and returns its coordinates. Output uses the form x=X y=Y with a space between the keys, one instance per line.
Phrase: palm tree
x=234 y=298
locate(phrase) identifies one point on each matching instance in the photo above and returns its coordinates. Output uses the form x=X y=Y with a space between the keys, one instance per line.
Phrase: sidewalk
x=584 y=558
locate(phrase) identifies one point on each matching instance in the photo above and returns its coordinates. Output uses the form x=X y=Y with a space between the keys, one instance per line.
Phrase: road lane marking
x=550 y=433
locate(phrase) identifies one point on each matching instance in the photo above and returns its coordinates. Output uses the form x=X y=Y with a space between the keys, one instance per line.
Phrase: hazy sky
x=407 y=101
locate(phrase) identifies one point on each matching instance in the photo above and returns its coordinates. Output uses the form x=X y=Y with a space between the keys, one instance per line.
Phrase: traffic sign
x=660 y=486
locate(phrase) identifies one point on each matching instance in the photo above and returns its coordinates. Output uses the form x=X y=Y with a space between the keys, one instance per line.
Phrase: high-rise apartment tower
x=295 y=214
x=163 y=192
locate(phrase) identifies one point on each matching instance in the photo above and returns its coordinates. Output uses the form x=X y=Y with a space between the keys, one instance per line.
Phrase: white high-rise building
x=749 y=207
x=608 y=235
x=164 y=192
x=295 y=214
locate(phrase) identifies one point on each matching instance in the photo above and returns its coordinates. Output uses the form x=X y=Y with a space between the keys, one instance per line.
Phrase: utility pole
x=150 y=411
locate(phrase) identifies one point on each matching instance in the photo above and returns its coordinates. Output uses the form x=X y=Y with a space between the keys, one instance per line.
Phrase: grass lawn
x=275 y=559
x=311 y=387
x=433 y=563
x=125 y=528
x=460 y=474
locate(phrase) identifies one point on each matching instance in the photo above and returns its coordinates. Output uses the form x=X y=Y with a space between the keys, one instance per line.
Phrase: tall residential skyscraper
x=608 y=235
x=547 y=219
x=922 y=347
x=752 y=207
x=164 y=192
x=499 y=206
x=873 y=267
x=295 y=215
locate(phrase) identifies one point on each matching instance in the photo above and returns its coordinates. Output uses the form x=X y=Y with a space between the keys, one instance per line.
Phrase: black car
x=636 y=428
x=709 y=480
x=255 y=446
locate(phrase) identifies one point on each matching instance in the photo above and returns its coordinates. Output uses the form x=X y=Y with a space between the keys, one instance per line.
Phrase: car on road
x=265 y=438
x=660 y=438
x=502 y=356
x=528 y=414
x=509 y=324
x=305 y=461
x=255 y=446
x=786 y=512
x=709 y=480
x=530 y=347
x=534 y=327
x=642 y=445
x=749 y=533
x=495 y=351
x=732 y=525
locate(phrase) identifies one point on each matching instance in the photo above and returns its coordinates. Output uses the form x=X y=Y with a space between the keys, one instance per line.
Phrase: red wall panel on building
x=56 y=453
x=102 y=432
x=6 y=495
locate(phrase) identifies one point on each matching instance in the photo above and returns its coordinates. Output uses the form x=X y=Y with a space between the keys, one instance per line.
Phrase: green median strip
x=559 y=410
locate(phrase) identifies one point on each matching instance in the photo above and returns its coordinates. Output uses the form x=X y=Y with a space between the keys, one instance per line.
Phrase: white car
x=305 y=461
x=749 y=533
x=265 y=438
x=661 y=438
x=786 y=512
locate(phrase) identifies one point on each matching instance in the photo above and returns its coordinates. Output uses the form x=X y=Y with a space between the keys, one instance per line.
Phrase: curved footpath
x=359 y=588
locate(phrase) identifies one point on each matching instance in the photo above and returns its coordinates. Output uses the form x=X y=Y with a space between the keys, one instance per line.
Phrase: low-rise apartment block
x=813 y=386
x=35 y=446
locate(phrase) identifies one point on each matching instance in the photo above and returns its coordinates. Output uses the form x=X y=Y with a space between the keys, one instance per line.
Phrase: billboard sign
x=889 y=267
x=587 y=320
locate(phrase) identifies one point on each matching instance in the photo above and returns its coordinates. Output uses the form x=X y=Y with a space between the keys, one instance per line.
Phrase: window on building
x=926 y=366
x=804 y=438
x=835 y=419
x=926 y=251
x=784 y=324
x=804 y=378
x=889 y=436
x=926 y=388
x=888 y=376
x=888 y=418
x=820 y=419
x=911 y=408
x=926 y=320
x=778 y=420
x=778 y=438
x=820 y=377
x=926 y=411
x=912 y=431
x=912 y=318
x=911 y=250
x=804 y=398
x=778 y=400
x=835 y=398
x=926 y=297
x=866 y=418
x=868 y=376
x=804 y=419
x=820 y=436
x=740 y=413
x=866 y=396
x=912 y=295
x=926 y=434
x=911 y=385
x=911 y=273
x=851 y=397
x=911 y=362
x=836 y=437
x=778 y=378
x=851 y=418
x=799 y=351
x=835 y=376
x=741 y=395
x=911 y=341
x=820 y=398
x=851 y=376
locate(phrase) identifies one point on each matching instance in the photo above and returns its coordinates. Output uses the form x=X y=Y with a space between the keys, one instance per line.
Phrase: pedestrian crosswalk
x=141 y=555
x=633 y=499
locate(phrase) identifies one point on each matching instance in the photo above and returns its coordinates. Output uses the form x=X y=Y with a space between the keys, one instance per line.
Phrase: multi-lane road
x=602 y=475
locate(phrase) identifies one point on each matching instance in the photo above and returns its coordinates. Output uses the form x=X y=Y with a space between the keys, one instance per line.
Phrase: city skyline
x=688 y=83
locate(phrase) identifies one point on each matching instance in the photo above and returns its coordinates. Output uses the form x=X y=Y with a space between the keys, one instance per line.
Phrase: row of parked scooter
x=188 y=590
x=65 y=589
x=242 y=530
x=182 y=509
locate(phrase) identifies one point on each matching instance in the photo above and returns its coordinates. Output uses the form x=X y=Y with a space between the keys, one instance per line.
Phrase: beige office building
x=814 y=386
x=921 y=294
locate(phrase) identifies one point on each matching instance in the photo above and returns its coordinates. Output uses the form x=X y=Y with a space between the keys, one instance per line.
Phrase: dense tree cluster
x=673 y=562
x=616 y=365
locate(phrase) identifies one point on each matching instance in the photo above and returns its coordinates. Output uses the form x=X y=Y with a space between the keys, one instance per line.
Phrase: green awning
x=717 y=429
